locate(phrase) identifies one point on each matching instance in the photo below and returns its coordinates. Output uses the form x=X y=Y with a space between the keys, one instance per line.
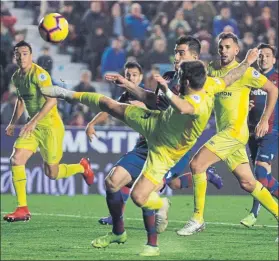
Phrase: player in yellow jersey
x=44 y=130
x=169 y=134
x=231 y=110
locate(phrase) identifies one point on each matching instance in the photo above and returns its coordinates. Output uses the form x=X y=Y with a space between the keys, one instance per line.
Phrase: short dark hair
x=130 y=65
x=23 y=43
x=192 y=42
x=223 y=36
x=264 y=45
x=194 y=72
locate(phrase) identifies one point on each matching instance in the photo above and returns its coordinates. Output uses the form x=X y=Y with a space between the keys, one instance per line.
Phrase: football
x=53 y=28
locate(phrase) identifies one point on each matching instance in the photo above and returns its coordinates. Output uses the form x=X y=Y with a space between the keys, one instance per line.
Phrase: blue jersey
x=259 y=98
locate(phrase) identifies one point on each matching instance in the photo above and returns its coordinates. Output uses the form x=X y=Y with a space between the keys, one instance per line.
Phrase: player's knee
x=138 y=199
x=248 y=185
x=265 y=165
x=174 y=184
x=111 y=184
x=16 y=160
x=196 y=166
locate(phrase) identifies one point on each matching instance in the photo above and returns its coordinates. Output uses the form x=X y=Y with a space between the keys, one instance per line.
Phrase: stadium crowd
x=104 y=35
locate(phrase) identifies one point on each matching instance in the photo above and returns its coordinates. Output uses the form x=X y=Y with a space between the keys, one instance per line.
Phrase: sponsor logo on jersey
x=224 y=94
x=42 y=77
x=196 y=98
x=258 y=92
x=255 y=74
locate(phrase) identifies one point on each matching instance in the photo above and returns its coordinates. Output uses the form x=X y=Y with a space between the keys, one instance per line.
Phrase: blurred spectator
x=69 y=13
x=45 y=60
x=265 y=21
x=178 y=20
x=156 y=55
x=113 y=58
x=94 y=49
x=85 y=83
x=93 y=18
x=150 y=83
x=7 y=109
x=247 y=25
x=136 y=24
x=135 y=50
x=49 y=7
x=205 y=12
x=205 y=55
x=116 y=21
x=157 y=33
x=77 y=119
x=223 y=20
x=270 y=37
x=162 y=20
x=248 y=42
x=6 y=41
x=7 y=18
x=252 y=7
x=169 y=7
x=9 y=71
x=190 y=14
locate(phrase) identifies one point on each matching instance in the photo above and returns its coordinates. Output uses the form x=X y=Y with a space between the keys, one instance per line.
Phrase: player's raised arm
x=147 y=97
x=181 y=105
x=236 y=73
x=271 y=99
x=101 y=117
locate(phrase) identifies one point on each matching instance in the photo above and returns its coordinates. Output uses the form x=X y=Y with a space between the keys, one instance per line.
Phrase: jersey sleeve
x=253 y=79
x=217 y=85
x=195 y=100
x=43 y=78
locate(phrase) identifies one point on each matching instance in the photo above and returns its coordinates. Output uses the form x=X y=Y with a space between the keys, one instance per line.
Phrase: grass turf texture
x=62 y=228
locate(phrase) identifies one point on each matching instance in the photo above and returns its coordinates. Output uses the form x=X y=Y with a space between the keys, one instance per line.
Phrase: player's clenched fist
x=252 y=55
x=10 y=130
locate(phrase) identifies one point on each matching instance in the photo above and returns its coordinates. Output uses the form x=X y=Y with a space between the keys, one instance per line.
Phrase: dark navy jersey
x=259 y=98
x=162 y=104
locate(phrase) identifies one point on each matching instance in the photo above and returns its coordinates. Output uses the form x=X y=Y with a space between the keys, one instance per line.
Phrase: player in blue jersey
x=264 y=149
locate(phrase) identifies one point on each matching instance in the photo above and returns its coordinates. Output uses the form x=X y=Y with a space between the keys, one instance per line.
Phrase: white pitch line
x=139 y=219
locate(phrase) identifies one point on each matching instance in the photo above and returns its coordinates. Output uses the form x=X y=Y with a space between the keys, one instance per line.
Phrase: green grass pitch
x=62 y=228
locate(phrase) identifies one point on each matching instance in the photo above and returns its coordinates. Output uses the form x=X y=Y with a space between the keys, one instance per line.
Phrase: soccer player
x=231 y=111
x=263 y=149
x=170 y=134
x=186 y=49
x=44 y=130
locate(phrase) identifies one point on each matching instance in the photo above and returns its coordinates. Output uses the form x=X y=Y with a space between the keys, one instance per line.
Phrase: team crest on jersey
x=196 y=98
x=42 y=77
x=255 y=74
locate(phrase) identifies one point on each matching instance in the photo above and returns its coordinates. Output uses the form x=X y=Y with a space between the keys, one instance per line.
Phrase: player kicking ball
x=170 y=134
x=44 y=130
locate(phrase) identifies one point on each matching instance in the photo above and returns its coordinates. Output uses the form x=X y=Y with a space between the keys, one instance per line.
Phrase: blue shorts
x=264 y=149
x=133 y=163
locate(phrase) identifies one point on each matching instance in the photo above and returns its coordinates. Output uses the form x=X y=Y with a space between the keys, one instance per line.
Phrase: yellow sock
x=264 y=197
x=199 y=187
x=154 y=202
x=91 y=99
x=67 y=170
x=19 y=181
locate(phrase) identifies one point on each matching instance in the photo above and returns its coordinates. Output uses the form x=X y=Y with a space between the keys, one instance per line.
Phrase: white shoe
x=190 y=228
x=276 y=240
x=57 y=92
x=161 y=216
